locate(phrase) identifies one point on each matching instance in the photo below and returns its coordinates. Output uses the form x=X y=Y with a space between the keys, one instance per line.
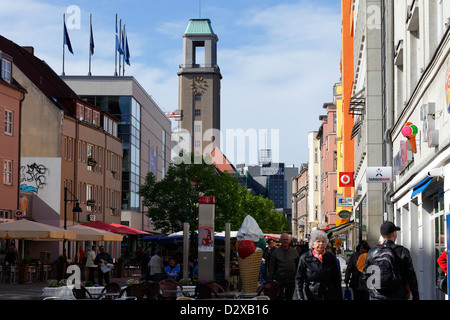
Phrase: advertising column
x=206 y=212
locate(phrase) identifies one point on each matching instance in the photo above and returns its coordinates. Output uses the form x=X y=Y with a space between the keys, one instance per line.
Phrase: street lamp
x=75 y=209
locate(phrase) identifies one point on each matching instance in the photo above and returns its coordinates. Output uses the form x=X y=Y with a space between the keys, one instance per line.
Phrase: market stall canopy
x=107 y=227
x=273 y=236
x=136 y=231
x=340 y=229
x=32 y=230
x=85 y=233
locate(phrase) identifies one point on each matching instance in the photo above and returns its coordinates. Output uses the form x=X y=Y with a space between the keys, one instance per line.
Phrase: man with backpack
x=389 y=272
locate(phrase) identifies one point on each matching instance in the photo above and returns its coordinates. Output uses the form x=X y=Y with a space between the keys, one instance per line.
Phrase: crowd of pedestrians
x=384 y=272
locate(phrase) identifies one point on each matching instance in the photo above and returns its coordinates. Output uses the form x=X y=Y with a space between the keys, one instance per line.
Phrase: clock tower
x=199 y=87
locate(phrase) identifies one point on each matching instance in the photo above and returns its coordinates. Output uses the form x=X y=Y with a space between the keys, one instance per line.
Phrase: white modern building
x=420 y=196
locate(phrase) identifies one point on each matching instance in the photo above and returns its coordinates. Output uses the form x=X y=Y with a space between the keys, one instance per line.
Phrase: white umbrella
x=85 y=233
x=32 y=230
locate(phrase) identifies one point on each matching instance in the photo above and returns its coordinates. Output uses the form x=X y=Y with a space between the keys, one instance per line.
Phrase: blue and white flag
x=126 y=49
x=118 y=46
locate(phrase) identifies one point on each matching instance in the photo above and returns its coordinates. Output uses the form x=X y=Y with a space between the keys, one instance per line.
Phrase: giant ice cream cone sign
x=409 y=131
x=250 y=253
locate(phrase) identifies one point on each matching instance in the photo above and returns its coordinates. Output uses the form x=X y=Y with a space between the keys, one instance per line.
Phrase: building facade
x=300 y=203
x=144 y=129
x=11 y=97
x=328 y=155
x=366 y=106
x=64 y=146
x=419 y=196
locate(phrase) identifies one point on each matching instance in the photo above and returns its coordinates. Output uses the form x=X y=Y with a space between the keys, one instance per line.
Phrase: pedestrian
x=318 y=276
x=353 y=274
x=282 y=267
x=266 y=257
x=156 y=266
x=145 y=260
x=90 y=264
x=442 y=261
x=172 y=270
x=389 y=270
x=193 y=270
x=104 y=261
x=11 y=256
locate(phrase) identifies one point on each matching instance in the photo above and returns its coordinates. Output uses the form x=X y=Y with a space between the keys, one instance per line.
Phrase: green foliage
x=174 y=200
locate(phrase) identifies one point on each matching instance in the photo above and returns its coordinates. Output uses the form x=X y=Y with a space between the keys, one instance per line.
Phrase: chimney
x=29 y=49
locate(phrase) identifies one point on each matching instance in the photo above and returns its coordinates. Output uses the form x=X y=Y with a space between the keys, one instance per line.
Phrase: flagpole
x=124 y=49
x=115 y=50
x=64 y=21
x=120 y=39
x=90 y=45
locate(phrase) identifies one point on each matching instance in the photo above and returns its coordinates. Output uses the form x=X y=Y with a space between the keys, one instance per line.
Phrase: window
x=197 y=144
x=197 y=128
x=88 y=114
x=80 y=111
x=90 y=201
x=8 y=172
x=197 y=97
x=9 y=122
x=197 y=112
x=96 y=118
x=6 y=70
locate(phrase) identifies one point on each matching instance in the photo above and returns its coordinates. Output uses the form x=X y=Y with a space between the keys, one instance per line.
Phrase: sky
x=279 y=58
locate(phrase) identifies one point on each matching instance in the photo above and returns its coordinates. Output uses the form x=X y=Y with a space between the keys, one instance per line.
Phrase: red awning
x=136 y=231
x=108 y=227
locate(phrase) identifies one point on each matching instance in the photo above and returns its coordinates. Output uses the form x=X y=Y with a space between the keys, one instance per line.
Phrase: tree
x=174 y=200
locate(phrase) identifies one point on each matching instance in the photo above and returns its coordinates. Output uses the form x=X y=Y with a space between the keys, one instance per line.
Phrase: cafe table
x=66 y=291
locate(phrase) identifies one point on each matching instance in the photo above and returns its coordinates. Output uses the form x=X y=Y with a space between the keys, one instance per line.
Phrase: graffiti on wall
x=33 y=177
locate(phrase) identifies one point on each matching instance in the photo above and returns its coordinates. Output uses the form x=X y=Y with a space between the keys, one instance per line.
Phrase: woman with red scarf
x=318 y=276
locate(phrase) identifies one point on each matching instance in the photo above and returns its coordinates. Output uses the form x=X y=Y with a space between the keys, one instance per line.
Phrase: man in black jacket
x=407 y=274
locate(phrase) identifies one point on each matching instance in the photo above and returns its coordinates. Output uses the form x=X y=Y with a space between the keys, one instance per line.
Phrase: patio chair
x=225 y=284
x=169 y=289
x=218 y=288
x=205 y=291
x=135 y=290
x=112 y=287
x=152 y=290
x=81 y=294
x=271 y=289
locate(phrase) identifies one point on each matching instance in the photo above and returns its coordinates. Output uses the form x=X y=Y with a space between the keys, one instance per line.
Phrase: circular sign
x=345 y=179
x=345 y=214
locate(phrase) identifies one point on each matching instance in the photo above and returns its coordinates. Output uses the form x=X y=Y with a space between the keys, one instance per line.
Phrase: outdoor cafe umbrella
x=32 y=230
x=107 y=227
x=85 y=233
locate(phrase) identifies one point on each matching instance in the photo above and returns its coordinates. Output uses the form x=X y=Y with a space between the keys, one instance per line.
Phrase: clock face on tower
x=199 y=85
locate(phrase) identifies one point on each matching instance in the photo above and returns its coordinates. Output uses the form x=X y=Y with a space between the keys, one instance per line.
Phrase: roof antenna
x=199 y=9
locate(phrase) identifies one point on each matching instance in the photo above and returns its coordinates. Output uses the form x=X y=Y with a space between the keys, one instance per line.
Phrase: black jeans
x=102 y=275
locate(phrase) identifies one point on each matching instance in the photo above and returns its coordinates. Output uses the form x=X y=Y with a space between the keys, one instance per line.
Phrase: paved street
x=32 y=291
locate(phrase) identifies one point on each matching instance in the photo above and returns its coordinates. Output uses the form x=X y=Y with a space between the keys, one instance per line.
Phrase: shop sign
x=345 y=202
x=344 y=214
x=346 y=179
x=379 y=174
x=403 y=157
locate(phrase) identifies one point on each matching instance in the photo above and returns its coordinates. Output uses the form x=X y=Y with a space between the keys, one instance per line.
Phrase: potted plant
x=23 y=270
x=61 y=267
x=120 y=267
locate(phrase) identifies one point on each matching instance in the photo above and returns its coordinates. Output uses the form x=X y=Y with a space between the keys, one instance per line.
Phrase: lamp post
x=75 y=209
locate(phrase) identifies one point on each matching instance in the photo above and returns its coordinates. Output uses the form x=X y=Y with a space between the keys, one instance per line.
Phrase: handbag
x=348 y=293
x=107 y=267
x=443 y=284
